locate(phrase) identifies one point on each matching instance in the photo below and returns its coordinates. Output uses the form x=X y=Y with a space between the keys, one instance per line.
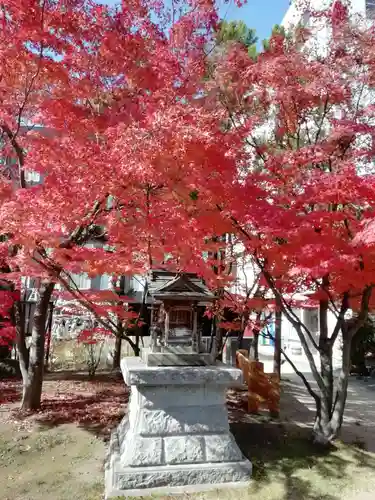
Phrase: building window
x=311 y=319
x=105 y=282
x=32 y=282
x=96 y=283
x=370 y=9
x=31 y=176
x=82 y=281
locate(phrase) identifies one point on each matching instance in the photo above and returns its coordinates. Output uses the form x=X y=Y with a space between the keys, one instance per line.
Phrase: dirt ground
x=58 y=453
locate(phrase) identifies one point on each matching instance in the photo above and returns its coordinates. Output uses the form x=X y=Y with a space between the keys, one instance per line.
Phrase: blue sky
x=259 y=14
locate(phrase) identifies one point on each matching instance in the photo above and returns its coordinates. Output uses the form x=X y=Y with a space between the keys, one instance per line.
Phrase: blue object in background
x=264 y=339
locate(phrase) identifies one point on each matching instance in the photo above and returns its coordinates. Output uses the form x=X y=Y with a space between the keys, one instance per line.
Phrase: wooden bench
x=263 y=388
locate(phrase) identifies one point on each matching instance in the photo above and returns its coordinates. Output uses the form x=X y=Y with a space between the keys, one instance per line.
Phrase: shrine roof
x=165 y=284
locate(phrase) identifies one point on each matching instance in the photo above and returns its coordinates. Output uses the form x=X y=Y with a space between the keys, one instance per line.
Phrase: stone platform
x=176 y=435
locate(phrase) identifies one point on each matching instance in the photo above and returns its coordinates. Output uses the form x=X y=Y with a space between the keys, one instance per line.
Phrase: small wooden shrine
x=177 y=301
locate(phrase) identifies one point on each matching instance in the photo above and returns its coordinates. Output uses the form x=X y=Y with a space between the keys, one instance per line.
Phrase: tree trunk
x=254 y=354
x=217 y=335
x=118 y=344
x=32 y=386
x=342 y=385
x=277 y=346
x=117 y=353
x=23 y=353
x=325 y=350
x=134 y=345
x=329 y=417
x=136 y=349
x=240 y=339
x=322 y=430
x=49 y=339
x=330 y=413
x=255 y=346
x=137 y=341
x=212 y=335
x=244 y=323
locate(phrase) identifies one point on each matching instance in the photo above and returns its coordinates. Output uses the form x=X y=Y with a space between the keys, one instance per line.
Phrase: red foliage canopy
x=141 y=151
x=301 y=201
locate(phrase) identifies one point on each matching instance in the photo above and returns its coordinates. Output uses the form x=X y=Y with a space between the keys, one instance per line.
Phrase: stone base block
x=123 y=481
x=175 y=437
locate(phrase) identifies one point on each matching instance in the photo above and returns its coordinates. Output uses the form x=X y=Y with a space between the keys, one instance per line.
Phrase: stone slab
x=143 y=451
x=180 y=475
x=175 y=359
x=168 y=349
x=222 y=448
x=136 y=372
x=158 y=423
x=178 y=349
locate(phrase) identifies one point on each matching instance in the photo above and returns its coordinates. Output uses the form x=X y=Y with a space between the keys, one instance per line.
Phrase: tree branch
x=297 y=372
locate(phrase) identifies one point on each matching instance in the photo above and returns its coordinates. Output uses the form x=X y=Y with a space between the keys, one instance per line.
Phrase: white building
x=296 y=15
x=245 y=276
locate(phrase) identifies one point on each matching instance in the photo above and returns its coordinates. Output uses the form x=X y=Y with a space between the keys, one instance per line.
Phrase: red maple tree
x=299 y=196
x=101 y=104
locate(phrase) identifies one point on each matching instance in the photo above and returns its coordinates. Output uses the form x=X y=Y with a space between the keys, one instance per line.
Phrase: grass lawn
x=58 y=454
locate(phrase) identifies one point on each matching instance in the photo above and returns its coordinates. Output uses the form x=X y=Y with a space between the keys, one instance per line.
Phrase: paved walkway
x=359 y=417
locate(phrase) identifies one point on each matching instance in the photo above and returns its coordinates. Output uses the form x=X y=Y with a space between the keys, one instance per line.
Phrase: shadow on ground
x=282 y=450
x=359 y=417
x=279 y=450
x=95 y=405
x=97 y=414
x=82 y=376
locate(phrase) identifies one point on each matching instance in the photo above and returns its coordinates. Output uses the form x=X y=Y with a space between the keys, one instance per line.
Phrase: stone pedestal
x=176 y=435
